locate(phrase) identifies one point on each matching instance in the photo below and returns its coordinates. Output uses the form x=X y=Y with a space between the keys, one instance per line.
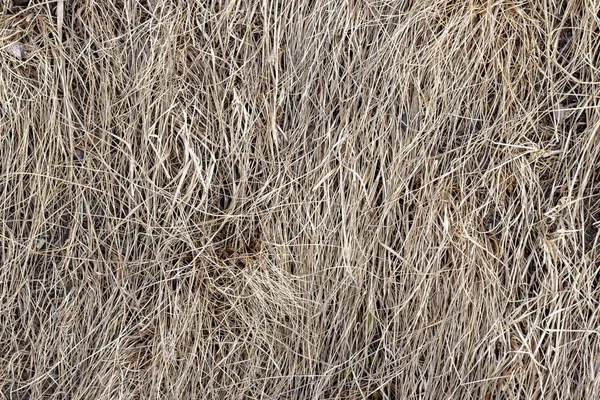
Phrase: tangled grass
x=261 y=199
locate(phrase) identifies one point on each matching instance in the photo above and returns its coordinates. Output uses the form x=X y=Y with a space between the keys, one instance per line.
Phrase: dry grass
x=258 y=199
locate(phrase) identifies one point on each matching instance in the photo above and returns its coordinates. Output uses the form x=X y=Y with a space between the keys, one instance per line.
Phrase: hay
x=299 y=199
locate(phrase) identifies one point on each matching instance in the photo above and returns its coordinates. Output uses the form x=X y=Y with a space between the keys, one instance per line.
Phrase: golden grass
x=259 y=199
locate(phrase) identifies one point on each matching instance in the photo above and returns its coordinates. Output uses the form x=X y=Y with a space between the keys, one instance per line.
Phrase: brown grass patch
x=299 y=199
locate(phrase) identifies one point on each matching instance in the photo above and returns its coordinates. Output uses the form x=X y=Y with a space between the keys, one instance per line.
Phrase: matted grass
x=252 y=199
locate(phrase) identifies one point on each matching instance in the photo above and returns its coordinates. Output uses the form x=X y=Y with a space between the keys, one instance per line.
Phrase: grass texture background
x=262 y=199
